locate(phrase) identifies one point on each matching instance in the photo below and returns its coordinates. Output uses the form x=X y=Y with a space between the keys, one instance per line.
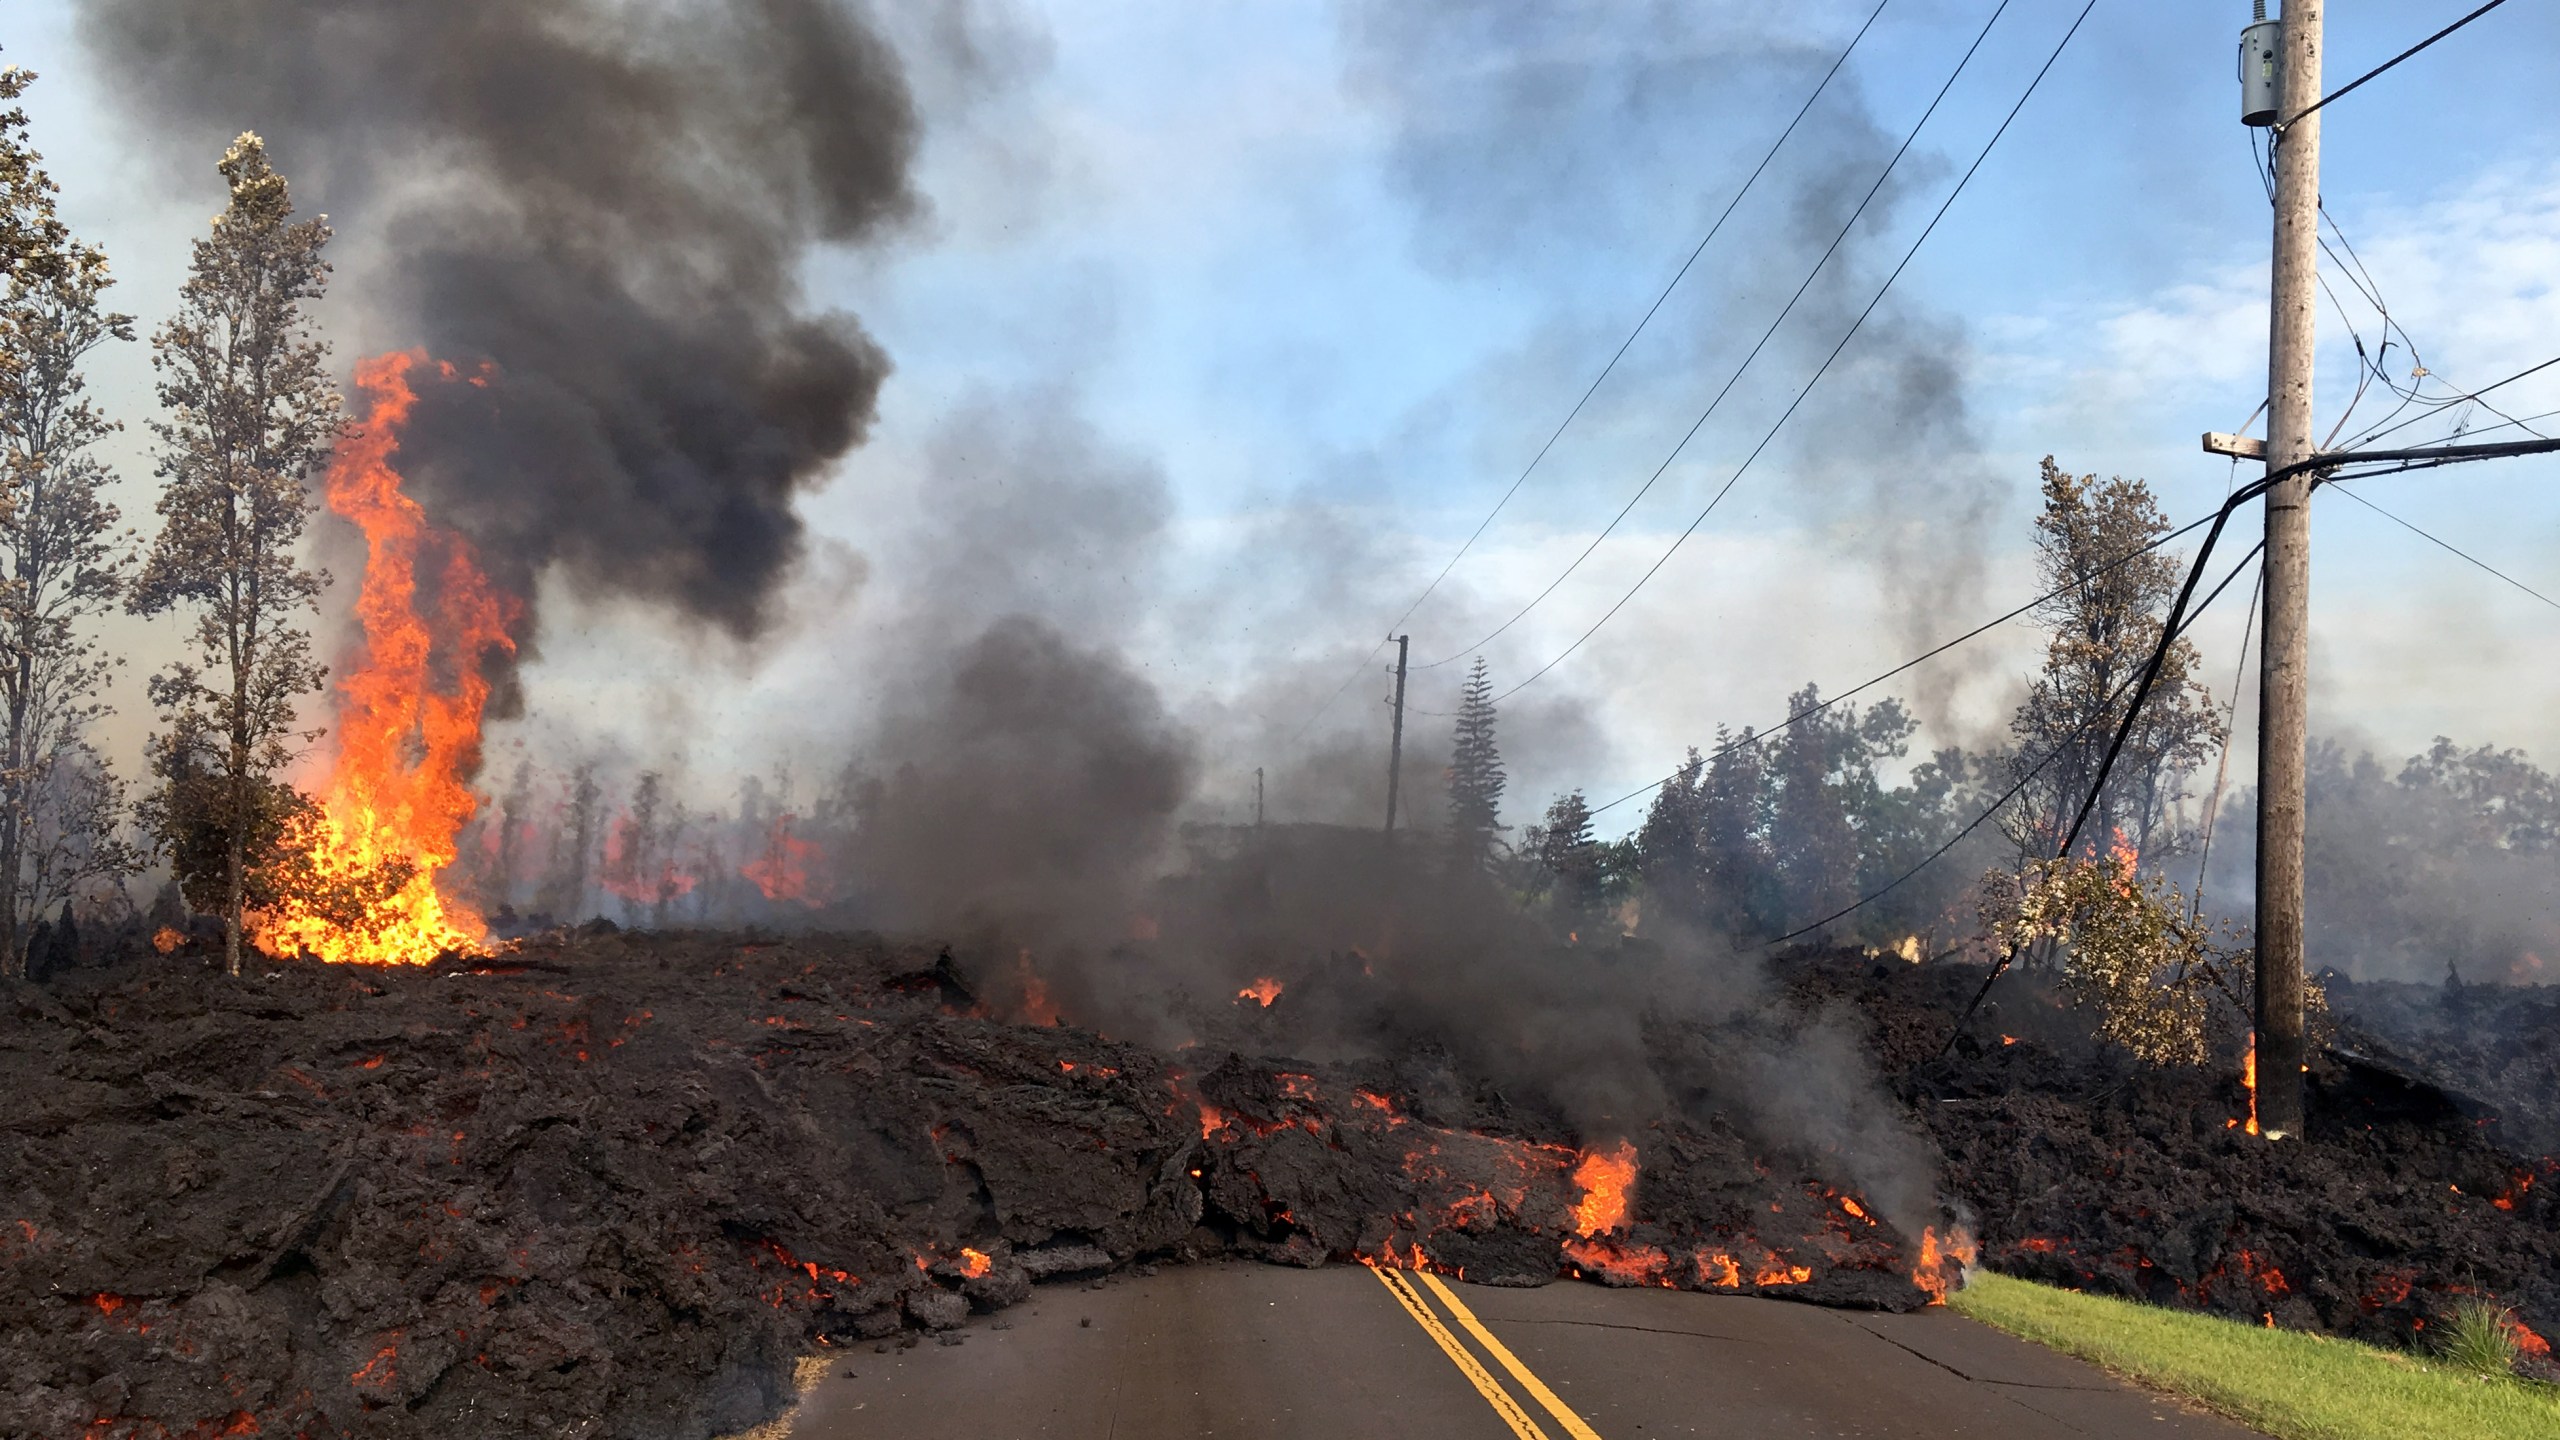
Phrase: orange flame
x=1942 y=1262
x=2526 y=1341
x=1603 y=1180
x=1037 y=1007
x=2249 y=1078
x=408 y=708
x=166 y=940
x=782 y=871
x=1264 y=991
x=974 y=1263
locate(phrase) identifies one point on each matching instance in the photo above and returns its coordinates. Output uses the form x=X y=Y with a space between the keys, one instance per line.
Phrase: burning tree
x=61 y=564
x=252 y=418
x=2104 y=623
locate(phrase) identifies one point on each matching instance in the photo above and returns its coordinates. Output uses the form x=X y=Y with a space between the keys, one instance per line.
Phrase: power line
x=1996 y=806
x=1735 y=378
x=1853 y=691
x=1825 y=367
x=2342 y=90
x=2180 y=619
x=1605 y=370
x=2444 y=546
x=2473 y=395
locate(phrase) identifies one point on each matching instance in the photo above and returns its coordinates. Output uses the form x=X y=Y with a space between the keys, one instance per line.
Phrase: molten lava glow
x=1626 y=1264
x=1603 y=1178
x=2249 y=1078
x=408 y=707
x=974 y=1263
x=2527 y=1342
x=1262 y=991
x=1854 y=1208
x=1942 y=1262
x=166 y=940
x=782 y=871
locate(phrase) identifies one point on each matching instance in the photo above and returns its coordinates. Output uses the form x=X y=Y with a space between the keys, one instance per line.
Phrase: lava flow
x=408 y=712
x=1604 y=1178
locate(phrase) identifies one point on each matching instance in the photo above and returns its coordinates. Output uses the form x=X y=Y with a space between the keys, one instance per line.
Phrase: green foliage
x=2126 y=946
x=1577 y=877
x=63 y=562
x=2449 y=862
x=1475 y=777
x=2103 y=626
x=2479 y=1336
x=2291 y=1385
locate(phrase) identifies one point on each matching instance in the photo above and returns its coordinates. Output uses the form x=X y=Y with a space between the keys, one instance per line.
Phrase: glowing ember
x=1603 y=1179
x=782 y=871
x=1942 y=1263
x=974 y=1263
x=166 y=940
x=2527 y=1342
x=408 y=708
x=1263 y=991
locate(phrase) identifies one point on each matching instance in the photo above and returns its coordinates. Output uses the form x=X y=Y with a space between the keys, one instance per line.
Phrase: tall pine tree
x=252 y=417
x=1475 y=777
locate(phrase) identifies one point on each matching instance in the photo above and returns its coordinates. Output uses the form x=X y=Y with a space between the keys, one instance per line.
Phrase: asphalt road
x=1257 y=1352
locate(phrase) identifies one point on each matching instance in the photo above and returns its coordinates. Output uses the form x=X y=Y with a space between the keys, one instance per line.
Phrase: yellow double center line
x=1513 y=1414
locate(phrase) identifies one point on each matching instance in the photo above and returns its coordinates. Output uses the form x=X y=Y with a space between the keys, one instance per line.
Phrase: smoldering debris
x=620 y=1181
x=607 y=204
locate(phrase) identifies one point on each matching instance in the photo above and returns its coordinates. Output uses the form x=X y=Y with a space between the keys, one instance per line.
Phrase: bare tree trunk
x=231 y=908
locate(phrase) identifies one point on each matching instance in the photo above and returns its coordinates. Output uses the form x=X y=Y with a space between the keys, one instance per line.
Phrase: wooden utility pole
x=1395 y=745
x=1257 y=797
x=2284 y=659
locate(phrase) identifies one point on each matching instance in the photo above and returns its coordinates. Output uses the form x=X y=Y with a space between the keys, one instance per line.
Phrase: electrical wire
x=1825 y=367
x=2445 y=546
x=1942 y=648
x=1996 y=806
x=2343 y=90
x=1594 y=388
x=2230 y=726
x=1736 y=377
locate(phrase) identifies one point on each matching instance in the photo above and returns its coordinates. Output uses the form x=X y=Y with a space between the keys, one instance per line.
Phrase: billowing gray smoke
x=610 y=203
x=1627 y=128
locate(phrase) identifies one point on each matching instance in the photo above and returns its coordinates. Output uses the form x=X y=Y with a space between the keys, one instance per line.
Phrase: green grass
x=2289 y=1384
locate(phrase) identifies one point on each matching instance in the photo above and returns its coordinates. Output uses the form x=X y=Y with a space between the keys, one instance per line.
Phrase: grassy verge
x=2289 y=1384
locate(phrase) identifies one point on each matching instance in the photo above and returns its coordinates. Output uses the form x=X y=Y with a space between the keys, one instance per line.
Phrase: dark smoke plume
x=608 y=202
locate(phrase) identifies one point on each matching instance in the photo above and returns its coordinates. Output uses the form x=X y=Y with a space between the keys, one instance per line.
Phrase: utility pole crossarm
x=2243 y=447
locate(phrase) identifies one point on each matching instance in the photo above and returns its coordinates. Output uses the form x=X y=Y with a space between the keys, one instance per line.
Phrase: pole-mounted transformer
x=2260 y=70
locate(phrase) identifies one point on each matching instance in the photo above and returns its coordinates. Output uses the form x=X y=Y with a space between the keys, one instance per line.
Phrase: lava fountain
x=408 y=709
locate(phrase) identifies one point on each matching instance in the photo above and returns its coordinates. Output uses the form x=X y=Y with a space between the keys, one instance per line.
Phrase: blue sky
x=1322 y=277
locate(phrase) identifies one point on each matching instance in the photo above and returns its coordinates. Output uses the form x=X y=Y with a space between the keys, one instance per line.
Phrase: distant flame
x=1037 y=1007
x=408 y=708
x=1604 y=1179
x=1264 y=991
x=166 y=940
x=782 y=871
